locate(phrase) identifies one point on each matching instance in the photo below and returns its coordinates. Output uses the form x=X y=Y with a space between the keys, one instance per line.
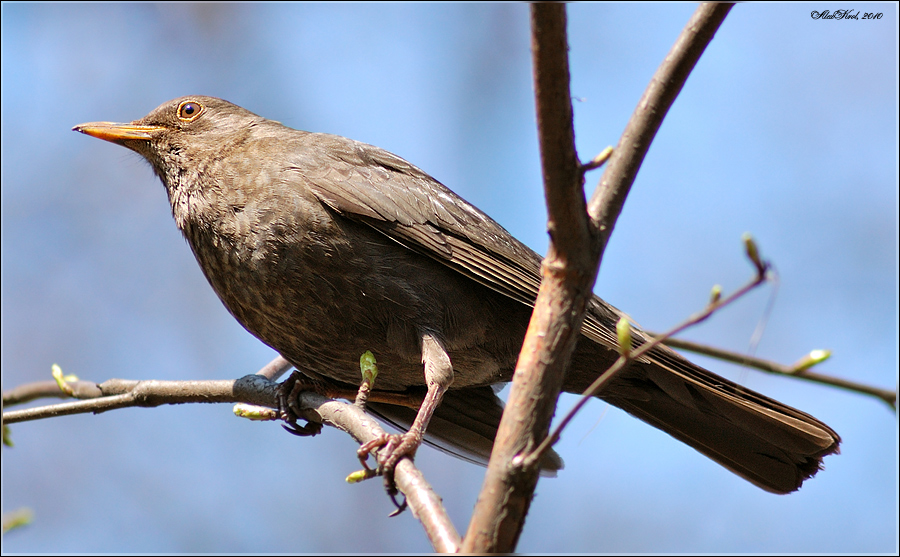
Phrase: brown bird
x=324 y=247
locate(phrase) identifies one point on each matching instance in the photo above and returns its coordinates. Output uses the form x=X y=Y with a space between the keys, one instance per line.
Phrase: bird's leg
x=438 y=377
x=288 y=391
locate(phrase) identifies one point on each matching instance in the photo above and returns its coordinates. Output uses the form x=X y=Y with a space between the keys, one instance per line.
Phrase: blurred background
x=786 y=129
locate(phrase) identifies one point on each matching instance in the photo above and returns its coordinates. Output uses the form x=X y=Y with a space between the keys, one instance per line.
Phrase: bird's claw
x=391 y=448
x=308 y=430
x=288 y=409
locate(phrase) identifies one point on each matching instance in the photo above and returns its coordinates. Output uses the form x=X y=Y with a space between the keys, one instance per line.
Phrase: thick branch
x=572 y=261
x=568 y=275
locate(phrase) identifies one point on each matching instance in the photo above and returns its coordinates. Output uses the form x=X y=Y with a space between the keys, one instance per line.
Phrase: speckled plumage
x=324 y=247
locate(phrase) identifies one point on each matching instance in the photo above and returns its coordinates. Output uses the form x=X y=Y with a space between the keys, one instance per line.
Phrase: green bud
x=753 y=252
x=252 y=412
x=814 y=357
x=62 y=380
x=623 y=330
x=358 y=476
x=715 y=294
x=368 y=368
x=602 y=157
x=17 y=519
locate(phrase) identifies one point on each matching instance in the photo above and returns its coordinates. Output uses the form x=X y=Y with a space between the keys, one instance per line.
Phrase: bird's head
x=179 y=137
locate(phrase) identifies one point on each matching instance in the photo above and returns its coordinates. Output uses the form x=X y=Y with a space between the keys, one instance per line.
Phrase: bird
x=324 y=248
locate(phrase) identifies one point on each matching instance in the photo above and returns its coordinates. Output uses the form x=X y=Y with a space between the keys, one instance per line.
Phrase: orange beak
x=117 y=133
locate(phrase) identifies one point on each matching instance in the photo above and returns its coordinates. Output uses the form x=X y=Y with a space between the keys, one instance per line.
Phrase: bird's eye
x=188 y=110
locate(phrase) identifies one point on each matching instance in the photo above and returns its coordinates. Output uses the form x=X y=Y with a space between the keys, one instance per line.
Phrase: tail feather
x=760 y=439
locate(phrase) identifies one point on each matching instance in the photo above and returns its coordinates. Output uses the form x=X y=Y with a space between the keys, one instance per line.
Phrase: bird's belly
x=323 y=306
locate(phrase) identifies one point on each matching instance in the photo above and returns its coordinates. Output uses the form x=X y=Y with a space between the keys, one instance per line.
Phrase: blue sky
x=787 y=129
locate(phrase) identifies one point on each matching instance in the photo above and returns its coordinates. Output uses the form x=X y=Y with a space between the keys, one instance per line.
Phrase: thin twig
x=87 y=390
x=275 y=369
x=609 y=197
x=257 y=390
x=48 y=389
x=632 y=355
x=888 y=396
x=423 y=502
x=117 y=393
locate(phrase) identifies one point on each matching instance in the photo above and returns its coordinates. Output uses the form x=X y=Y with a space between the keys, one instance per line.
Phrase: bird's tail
x=760 y=439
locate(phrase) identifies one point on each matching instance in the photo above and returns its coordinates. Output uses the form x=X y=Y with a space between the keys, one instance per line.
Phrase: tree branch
x=609 y=197
x=888 y=396
x=568 y=275
x=257 y=390
x=628 y=355
x=424 y=503
x=573 y=258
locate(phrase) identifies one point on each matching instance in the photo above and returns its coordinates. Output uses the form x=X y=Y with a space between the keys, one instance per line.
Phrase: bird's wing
x=399 y=200
x=371 y=185
x=407 y=205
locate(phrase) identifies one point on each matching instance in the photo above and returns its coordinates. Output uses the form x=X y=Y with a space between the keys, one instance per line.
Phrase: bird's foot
x=288 y=391
x=391 y=448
